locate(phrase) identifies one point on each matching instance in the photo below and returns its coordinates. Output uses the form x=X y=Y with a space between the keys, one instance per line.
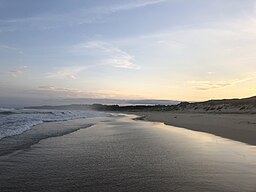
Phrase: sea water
x=17 y=121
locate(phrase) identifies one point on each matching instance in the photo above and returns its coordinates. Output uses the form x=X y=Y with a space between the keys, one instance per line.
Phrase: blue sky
x=134 y=49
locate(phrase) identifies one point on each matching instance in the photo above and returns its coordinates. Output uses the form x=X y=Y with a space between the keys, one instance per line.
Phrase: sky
x=187 y=50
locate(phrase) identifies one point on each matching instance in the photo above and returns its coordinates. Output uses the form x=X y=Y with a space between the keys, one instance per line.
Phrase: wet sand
x=120 y=154
x=238 y=127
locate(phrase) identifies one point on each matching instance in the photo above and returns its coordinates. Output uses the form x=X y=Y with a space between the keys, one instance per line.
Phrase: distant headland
x=245 y=105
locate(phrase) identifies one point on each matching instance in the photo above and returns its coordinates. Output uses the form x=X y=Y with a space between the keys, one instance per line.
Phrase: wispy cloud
x=113 y=55
x=210 y=73
x=127 y=6
x=209 y=85
x=11 y=48
x=67 y=72
x=18 y=71
x=79 y=16
x=53 y=91
x=59 y=92
x=8 y=47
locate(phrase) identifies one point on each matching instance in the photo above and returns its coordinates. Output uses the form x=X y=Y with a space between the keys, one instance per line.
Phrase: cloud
x=74 y=17
x=127 y=6
x=57 y=89
x=113 y=55
x=210 y=73
x=208 y=85
x=8 y=47
x=19 y=71
x=68 y=72
x=11 y=49
x=47 y=87
x=60 y=92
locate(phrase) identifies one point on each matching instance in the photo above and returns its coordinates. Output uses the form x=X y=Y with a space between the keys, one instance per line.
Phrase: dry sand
x=239 y=127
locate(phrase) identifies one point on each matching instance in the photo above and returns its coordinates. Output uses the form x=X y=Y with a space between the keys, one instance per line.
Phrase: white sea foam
x=14 y=122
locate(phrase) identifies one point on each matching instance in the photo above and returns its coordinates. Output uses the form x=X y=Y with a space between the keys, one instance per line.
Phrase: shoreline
x=25 y=140
x=237 y=127
x=120 y=154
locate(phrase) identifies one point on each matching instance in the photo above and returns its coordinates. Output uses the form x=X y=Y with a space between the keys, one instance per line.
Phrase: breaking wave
x=14 y=121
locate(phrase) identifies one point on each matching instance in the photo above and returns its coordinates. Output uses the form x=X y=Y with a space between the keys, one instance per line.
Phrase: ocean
x=16 y=121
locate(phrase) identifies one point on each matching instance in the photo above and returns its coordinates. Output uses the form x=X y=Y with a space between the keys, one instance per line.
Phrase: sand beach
x=238 y=127
x=117 y=153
